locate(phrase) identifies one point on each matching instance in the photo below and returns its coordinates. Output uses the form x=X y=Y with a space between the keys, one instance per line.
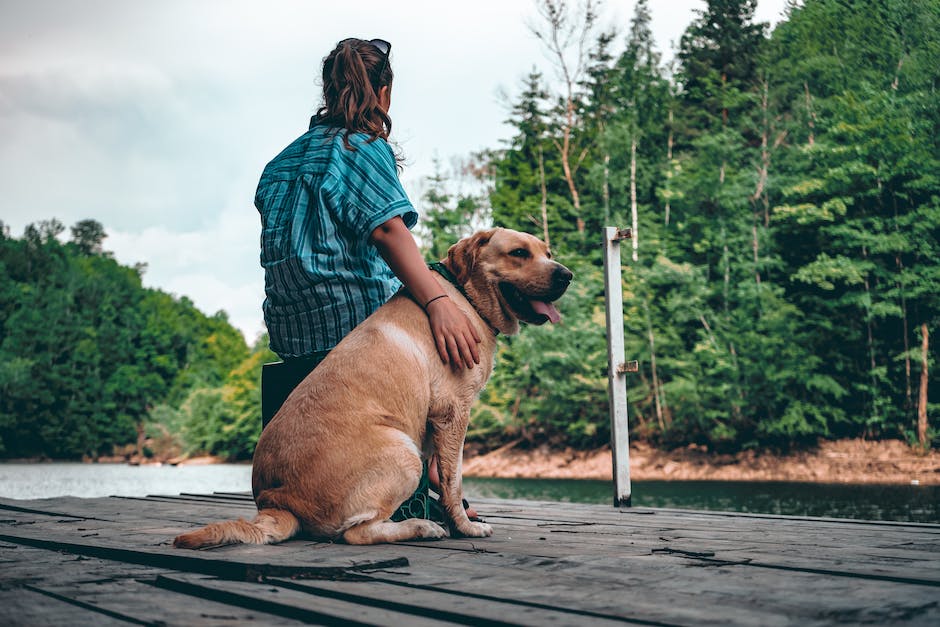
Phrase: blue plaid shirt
x=319 y=203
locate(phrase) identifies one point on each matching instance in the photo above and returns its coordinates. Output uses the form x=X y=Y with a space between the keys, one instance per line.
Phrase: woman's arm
x=454 y=335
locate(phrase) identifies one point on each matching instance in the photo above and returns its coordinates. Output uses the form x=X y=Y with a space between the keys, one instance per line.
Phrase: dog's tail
x=268 y=527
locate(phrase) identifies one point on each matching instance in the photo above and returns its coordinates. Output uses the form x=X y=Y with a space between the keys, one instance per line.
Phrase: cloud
x=124 y=144
x=156 y=118
x=216 y=267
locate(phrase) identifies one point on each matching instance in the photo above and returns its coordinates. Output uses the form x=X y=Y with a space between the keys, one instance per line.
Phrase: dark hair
x=353 y=74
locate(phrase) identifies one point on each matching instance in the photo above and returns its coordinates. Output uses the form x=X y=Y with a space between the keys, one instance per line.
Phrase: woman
x=335 y=240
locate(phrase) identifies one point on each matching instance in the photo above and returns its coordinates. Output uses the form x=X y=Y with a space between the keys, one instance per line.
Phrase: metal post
x=617 y=367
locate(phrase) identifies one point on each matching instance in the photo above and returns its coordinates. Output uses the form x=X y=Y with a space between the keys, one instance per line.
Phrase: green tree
x=87 y=351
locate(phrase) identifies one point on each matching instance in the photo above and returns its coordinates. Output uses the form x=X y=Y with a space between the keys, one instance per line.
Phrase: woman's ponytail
x=353 y=74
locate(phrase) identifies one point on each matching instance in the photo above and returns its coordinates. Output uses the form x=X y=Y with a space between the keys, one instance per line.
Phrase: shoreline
x=196 y=460
x=842 y=461
x=890 y=462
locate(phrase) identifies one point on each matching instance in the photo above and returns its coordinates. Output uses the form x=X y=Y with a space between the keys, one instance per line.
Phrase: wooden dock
x=72 y=561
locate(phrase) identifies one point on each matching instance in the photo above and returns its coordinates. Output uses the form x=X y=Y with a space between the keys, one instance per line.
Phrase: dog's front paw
x=476 y=530
x=429 y=529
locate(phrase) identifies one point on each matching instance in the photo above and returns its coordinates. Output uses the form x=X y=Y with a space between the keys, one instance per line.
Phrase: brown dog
x=344 y=451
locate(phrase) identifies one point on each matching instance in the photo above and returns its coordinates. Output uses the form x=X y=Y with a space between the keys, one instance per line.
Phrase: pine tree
x=528 y=189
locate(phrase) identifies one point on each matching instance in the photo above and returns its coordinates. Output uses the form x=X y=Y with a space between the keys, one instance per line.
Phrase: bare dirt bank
x=844 y=461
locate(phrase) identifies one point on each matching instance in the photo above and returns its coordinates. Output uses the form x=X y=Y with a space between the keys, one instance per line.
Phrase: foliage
x=87 y=351
x=788 y=223
x=223 y=420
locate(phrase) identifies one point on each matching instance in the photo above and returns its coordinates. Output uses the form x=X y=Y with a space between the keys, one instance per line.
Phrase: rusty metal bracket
x=622 y=234
x=629 y=366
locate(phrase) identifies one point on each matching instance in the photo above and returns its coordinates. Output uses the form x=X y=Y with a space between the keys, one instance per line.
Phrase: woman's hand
x=456 y=338
x=454 y=335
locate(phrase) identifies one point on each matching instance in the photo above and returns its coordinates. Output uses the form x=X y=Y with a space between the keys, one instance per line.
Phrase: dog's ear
x=462 y=256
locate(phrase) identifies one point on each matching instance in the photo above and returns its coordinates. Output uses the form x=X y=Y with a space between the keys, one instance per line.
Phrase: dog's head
x=510 y=276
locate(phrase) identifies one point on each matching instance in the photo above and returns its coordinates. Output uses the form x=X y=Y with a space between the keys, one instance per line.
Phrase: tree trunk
x=811 y=121
x=141 y=437
x=640 y=418
x=904 y=332
x=756 y=246
x=922 y=404
x=606 y=190
x=760 y=191
x=726 y=264
x=871 y=341
x=897 y=75
x=652 y=340
x=566 y=163
x=544 y=197
x=760 y=194
x=905 y=326
x=560 y=32
x=724 y=125
x=669 y=144
x=708 y=330
x=636 y=223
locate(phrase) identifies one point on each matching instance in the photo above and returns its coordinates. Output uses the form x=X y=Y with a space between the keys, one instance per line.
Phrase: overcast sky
x=156 y=117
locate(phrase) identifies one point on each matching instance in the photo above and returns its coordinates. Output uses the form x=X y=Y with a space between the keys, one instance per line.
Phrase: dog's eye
x=521 y=253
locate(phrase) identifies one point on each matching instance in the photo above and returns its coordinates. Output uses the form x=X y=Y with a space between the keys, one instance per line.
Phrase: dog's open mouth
x=531 y=309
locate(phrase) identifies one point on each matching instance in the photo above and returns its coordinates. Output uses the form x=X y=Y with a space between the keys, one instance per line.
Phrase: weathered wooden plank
x=906 y=547
x=750 y=532
x=244 y=563
x=80 y=590
x=652 y=579
x=24 y=607
x=804 y=532
x=445 y=604
x=289 y=603
x=597 y=562
x=591 y=538
x=234 y=504
x=584 y=511
x=837 y=564
x=651 y=535
x=665 y=591
x=148 y=604
x=911 y=547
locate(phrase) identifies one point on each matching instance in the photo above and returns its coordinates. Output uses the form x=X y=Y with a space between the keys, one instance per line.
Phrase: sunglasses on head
x=381 y=45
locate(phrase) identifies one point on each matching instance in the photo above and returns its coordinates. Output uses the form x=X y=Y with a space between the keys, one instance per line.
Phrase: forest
x=91 y=362
x=781 y=284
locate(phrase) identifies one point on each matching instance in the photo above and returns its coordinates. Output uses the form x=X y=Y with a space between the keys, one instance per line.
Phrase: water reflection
x=871 y=502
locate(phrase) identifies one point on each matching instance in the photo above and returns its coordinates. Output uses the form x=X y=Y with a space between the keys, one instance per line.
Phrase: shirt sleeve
x=368 y=188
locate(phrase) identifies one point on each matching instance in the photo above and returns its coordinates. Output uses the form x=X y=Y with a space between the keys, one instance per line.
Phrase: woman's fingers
x=472 y=342
x=465 y=355
x=466 y=343
x=454 y=335
x=441 y=346
x=475 y=334
x=456 y=360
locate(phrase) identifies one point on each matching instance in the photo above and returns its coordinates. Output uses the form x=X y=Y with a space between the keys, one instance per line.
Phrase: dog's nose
x=562 y=275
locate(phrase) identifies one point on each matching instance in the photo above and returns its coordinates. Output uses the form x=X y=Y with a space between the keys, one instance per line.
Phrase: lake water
x=872 y=502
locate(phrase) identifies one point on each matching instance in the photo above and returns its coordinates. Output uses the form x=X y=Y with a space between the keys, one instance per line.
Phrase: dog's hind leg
x=398 y=472
x=378 y=531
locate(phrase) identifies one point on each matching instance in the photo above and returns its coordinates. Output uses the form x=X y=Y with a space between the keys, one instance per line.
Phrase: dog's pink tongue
x=546 y=309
